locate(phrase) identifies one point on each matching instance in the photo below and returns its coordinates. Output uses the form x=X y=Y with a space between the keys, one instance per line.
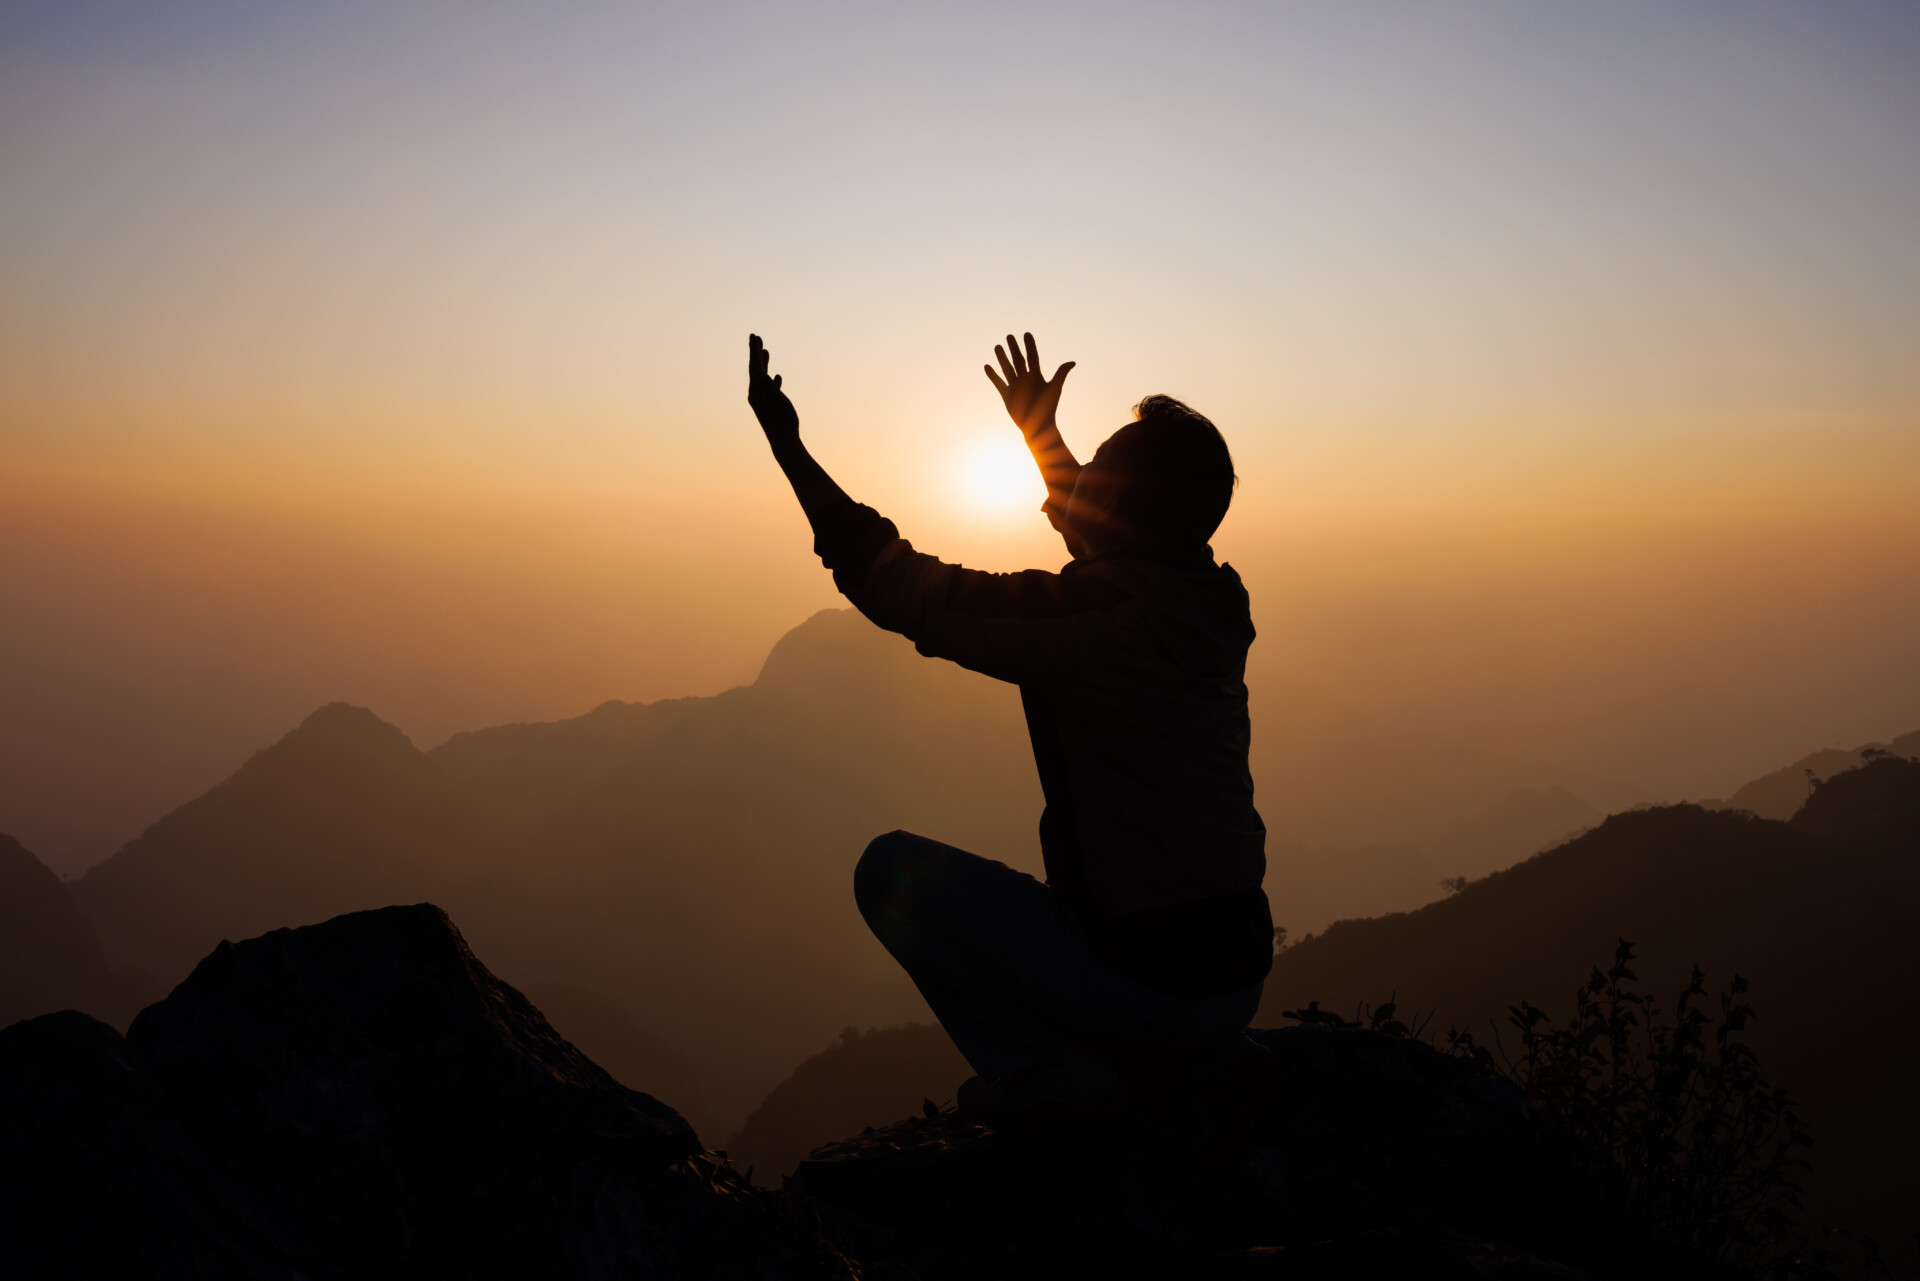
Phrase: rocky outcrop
x=98 y=1180
x=357 y=1098
x=363 y=1098
x=1378 y=1155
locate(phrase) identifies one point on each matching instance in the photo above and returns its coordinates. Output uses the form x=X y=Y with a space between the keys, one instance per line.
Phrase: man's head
x=1162 y=482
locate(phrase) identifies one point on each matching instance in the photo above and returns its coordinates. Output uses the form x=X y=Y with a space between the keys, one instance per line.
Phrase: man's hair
x=1174 y=474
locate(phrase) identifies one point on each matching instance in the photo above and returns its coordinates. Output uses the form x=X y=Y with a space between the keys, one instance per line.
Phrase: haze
x=1568 y=357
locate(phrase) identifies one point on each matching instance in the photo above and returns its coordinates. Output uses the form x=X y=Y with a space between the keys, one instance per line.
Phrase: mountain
x=357 y=1098
x=342 y=813
x=1780 y=794
x=50 y=957
x=712 y=839
x=1816 y=913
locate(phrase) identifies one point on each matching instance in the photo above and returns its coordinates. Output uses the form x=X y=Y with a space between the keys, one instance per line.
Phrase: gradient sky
x=1570 y=354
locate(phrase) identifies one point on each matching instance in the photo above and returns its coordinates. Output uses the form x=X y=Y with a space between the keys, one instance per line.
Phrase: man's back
x=1131 y=670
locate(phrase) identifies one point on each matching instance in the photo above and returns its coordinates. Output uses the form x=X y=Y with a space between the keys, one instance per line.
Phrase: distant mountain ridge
x=689 y=859
x=341 y=812
x=1780 y=795
x=711 y=839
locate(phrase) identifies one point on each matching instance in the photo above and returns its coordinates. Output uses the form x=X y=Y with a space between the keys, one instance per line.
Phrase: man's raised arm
x=1032 y=402
x=816 y=490
x=1014 y=627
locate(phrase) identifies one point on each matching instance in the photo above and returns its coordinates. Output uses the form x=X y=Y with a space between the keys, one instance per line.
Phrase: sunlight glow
x=997 y=475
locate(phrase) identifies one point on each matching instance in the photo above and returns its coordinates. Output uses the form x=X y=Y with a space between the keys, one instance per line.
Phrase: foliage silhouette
x=1811 y=911
x=1666 y=1121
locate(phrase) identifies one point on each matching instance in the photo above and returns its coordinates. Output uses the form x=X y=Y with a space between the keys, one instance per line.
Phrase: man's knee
x=884 y=870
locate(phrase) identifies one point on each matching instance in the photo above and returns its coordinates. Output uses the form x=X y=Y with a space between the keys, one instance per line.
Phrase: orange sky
x=1568 y=357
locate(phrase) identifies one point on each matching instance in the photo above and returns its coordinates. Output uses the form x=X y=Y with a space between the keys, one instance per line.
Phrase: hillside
x=1816 y=913
x=1780 y=794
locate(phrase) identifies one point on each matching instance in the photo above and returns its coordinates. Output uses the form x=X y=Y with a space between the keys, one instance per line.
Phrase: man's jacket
x=1131 y=669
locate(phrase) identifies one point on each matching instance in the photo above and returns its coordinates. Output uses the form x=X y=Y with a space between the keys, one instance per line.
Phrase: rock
x=1413 y=1126
x=364 y=1098
x=358 y=1098
x=97 y=1181
x=1378 y=1155
x=1382 y=1254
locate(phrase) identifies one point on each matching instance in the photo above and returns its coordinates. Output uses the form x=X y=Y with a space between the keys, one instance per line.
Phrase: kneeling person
x=1142 y=955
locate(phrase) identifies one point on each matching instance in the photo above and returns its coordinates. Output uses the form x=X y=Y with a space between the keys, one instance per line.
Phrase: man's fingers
x=995 y=380
x=1033 y=355
x=1006 y=366
x=1019 y=365
x=1060 y=374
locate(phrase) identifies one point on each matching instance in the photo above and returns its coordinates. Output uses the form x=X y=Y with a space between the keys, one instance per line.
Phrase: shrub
x=1679 y=1146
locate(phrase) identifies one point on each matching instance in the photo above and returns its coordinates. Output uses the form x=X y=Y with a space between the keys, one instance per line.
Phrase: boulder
x=97 y=1180
x=359 y=1098
x=1377 y=1155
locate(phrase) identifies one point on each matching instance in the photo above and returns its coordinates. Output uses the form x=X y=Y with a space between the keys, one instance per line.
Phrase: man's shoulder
x=1032 y=593
x=1200 y=611
x=1192 y=581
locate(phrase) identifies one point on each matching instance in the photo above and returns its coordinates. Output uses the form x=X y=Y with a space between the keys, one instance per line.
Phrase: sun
x=997 y=475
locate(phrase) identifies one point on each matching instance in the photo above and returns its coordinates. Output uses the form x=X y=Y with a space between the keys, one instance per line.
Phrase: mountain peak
x=835 y=649
x=343 y=723
x=341 y=813
x=349 y=740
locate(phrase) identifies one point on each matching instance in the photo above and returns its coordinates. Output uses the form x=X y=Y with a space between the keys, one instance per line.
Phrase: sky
x=1570 y=355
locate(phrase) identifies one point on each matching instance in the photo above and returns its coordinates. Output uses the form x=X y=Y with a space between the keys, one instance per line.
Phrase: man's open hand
x=770 y=405
x=1030 y=399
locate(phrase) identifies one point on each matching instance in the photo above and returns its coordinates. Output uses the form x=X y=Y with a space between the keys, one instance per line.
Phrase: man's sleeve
x=1027 y=627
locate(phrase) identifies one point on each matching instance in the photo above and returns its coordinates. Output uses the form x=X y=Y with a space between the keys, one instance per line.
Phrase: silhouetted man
x=1139 y=962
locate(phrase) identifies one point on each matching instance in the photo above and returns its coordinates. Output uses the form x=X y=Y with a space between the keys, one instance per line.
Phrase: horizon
x=1315 y=842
